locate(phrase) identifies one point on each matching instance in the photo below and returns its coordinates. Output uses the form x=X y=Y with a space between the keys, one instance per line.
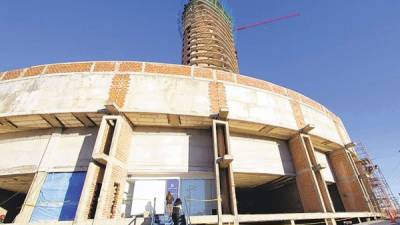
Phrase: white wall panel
x=323 y=160
x=169 y=95
x=70 y=150
x=256 y=155
x=22 y=152
x=259 y=106
x=169 y=150
x=324 y=126
x=55 y=93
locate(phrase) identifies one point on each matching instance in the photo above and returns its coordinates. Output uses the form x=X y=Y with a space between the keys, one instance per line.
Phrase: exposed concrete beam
x=225 y=161
x=112 y=108
x=307 y=129
x=174 y=120
x=223 y=113
x=350 y=145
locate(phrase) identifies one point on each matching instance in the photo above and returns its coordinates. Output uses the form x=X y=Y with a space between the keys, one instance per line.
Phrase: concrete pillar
x=107 y=170
x=349 y=186
x=224 y=179
x=88 y=200
x=310 y=182
x=31 y=198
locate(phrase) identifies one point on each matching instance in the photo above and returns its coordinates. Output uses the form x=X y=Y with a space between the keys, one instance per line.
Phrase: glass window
x=199 y=196
x=59 y=197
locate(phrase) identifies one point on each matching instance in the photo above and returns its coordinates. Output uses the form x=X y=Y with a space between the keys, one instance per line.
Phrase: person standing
x=178 y=217
x=169 y=201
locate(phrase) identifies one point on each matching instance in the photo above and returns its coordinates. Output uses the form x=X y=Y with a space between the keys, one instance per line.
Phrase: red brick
x=168 y=69
x=298 y=114
x=104 y=67
x=34 y=71
x=203 y=73
x=12 y=74
x=69 y=68
x=130 y=67
x=225 y=76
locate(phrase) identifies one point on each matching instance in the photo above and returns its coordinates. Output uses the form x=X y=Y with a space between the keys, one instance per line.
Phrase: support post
x=224 y=178
x=31 y=198
x=310 y=182
x=106 y=177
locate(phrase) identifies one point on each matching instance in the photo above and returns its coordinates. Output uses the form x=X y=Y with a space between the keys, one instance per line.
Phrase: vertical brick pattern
x=347 y=182
x=118 y=176
x=298 y=114
x=118 y=89
x=124 y=141
x=217 y=96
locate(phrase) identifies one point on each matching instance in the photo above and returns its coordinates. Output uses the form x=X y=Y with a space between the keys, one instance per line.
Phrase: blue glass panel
x=59 y=197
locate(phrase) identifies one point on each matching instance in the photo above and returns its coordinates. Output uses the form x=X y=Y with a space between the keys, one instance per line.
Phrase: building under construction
x=104 y=142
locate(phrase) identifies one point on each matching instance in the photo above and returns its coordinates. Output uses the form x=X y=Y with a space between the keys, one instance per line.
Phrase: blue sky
x=344 y=54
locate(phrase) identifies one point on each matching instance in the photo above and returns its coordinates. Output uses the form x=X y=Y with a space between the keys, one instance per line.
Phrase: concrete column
x=310 y=182
x=107 y=170
x=93 y=181
x=31 y=198
x=224 y=178
x=349 y=186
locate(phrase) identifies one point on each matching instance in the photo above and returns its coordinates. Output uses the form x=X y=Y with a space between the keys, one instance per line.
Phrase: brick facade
x=119 y=89
x=122 y=70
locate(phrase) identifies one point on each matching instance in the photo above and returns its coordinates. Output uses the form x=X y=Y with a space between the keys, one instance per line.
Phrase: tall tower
x=207 y=36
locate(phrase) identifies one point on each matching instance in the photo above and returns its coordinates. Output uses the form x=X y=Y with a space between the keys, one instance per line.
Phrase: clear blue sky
x=344 y=54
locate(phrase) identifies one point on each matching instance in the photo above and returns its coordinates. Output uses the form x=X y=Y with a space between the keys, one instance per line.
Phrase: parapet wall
x=158 y=89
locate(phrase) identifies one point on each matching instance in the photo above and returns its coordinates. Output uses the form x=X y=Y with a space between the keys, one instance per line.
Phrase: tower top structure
x=208 y=36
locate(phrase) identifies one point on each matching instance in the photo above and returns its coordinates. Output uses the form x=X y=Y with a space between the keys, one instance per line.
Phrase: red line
x=267 y=21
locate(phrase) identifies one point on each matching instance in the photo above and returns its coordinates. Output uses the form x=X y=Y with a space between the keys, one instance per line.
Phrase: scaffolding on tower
x=382 y=198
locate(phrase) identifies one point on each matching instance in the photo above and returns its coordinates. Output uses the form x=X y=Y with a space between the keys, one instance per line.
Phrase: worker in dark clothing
x=177 y=214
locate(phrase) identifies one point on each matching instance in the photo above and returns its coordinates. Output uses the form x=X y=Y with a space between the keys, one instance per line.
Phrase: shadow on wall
x=77 y=179
x=287 y=161
x=201 y=152
x=61 y=191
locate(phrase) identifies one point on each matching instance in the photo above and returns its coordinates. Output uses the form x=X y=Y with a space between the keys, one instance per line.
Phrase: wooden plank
x=5 y=122
x=84 y=119
x=96 y=117
x=52 y=120
x=266 y=129
x=68 y=120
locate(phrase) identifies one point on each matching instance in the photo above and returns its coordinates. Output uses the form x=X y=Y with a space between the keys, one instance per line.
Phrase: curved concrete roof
x=149 y=93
